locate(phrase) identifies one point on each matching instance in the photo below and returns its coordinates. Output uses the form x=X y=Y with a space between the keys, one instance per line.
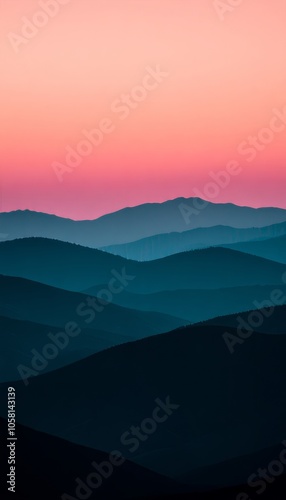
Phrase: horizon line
x=143 y=204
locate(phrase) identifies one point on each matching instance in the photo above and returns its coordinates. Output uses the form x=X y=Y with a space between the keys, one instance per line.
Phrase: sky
x=170 y=92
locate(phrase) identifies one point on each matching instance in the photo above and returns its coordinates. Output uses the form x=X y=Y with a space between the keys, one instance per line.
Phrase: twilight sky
x=222 y=82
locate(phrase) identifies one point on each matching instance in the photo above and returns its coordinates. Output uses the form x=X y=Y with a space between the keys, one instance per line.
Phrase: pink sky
x=224 y=80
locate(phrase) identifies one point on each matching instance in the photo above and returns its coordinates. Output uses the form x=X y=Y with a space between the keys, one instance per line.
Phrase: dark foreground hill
x=224 y=406
x=47 y=468
x=60 y=463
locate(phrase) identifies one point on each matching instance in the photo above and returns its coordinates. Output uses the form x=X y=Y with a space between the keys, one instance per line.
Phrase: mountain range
x=134 y=223
x=157 y=331
x=184 y=365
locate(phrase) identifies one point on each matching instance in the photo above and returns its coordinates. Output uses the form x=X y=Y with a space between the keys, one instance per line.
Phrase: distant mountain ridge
x=130 y=224
x=162 y=245
x=272 y=248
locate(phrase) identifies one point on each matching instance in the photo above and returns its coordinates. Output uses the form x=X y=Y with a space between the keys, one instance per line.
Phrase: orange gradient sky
x=224 y=80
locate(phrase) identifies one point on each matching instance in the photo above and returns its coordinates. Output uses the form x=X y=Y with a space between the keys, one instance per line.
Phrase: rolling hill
x=71 y=461
x=20 y=339
x=32 y=301
x=34 y=316
x=272 y=248
x=76 y=268
x=198 y=305
x=226 y=406
x=162 y=245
